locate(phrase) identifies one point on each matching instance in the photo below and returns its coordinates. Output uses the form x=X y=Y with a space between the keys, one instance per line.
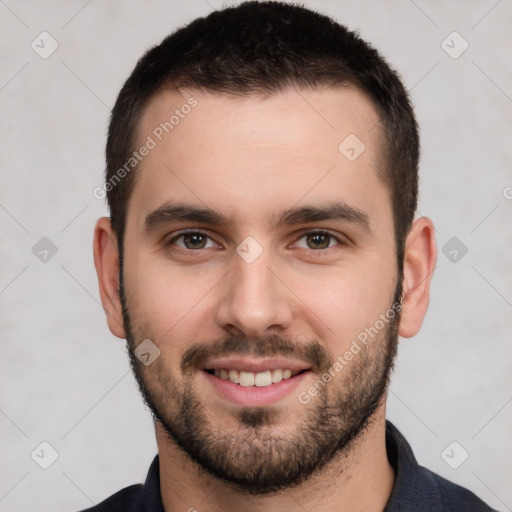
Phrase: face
x=259 y=260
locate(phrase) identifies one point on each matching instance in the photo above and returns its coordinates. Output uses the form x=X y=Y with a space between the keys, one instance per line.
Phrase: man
x=261 y=259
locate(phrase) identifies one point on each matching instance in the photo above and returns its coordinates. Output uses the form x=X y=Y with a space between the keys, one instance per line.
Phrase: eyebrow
x=337 y=211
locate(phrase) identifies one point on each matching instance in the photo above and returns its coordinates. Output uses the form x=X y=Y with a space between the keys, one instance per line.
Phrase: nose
x=254 y=300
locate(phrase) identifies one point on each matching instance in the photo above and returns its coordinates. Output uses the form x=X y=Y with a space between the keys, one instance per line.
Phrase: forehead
x=308 y=116
x=243 y=155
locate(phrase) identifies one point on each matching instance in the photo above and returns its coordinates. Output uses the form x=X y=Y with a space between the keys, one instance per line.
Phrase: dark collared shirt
x=416 y=489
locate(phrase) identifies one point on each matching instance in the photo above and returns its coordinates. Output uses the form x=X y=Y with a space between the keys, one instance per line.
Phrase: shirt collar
x=151 y=497
x=415 y=489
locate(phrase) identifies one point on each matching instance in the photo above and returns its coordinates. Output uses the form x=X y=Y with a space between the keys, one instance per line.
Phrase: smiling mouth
x=259 y=379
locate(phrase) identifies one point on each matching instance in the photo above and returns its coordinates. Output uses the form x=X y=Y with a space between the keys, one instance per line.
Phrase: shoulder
x=420 y=490
x=125 y=500
x=456 y=498
x=136 y=498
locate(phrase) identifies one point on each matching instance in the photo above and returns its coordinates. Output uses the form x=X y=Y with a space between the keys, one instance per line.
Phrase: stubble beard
x=255 y=458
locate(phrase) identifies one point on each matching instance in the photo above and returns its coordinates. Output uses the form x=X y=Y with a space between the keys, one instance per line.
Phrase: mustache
x=311 y=352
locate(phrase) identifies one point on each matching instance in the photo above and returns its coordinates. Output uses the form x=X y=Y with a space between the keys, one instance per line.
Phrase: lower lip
x=254 y=396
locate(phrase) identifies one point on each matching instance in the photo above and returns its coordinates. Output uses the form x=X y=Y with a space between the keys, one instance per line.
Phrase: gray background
x=65 y=379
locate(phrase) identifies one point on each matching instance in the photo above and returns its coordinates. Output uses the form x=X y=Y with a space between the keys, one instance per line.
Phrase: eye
x=192 y=240
x=318 y=240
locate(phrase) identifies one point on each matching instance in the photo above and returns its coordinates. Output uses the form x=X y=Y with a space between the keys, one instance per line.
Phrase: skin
x=251 y=158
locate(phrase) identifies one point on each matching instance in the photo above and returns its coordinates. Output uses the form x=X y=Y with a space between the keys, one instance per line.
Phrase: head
x=268 y=222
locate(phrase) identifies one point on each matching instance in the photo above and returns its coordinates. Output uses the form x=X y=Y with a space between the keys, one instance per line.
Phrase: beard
x=254 y=458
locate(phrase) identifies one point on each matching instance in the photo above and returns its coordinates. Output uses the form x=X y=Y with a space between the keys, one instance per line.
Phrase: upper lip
x=256 y=365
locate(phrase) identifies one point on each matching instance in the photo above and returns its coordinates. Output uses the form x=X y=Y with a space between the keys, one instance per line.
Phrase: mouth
x=257 y=379
x=255 y=382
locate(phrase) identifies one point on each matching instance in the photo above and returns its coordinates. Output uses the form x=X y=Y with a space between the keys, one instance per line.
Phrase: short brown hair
x=259 y=48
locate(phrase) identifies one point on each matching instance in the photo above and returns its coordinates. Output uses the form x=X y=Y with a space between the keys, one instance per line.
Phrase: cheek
x=345 y=301
x=168 y=302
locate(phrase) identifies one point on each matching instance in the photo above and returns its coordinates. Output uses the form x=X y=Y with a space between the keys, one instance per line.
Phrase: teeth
x=261 y=379
x=234 y=376
x=246 y=379
x=277 y=376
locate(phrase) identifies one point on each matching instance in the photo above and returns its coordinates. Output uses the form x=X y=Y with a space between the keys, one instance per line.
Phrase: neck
x=360 y=480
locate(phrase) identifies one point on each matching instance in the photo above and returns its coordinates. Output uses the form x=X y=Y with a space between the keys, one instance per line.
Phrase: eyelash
x=302 y=235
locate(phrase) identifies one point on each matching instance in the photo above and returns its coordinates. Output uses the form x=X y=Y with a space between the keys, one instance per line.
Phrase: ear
x=106 y=261
x=419 y=262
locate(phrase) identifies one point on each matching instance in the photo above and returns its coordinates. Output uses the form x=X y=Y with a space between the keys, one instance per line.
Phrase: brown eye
x=192 y=240
x=318 y=240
